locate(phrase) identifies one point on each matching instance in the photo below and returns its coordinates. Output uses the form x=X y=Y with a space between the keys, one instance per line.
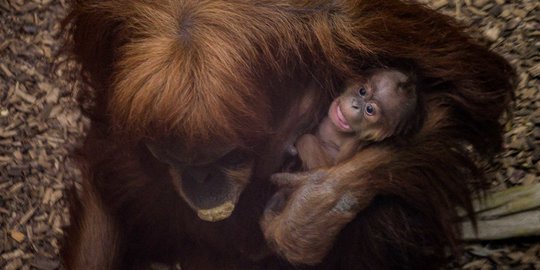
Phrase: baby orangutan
x=382 y=105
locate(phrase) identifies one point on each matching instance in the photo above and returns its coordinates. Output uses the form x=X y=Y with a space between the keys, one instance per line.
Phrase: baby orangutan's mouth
x=336 y=115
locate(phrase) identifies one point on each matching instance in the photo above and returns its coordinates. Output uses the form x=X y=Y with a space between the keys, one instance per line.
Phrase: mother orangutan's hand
x=304 y=217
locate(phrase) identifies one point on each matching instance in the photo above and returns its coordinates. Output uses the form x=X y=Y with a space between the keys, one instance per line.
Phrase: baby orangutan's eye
x=362 y=91
x=370 y=110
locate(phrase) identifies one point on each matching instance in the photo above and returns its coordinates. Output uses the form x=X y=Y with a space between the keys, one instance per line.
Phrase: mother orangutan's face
x=210 y=179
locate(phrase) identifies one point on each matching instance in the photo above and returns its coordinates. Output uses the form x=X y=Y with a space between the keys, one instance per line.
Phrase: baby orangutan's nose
x=355 y=104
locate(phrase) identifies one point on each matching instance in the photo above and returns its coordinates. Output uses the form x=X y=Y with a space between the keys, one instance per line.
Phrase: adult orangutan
x=195 y=103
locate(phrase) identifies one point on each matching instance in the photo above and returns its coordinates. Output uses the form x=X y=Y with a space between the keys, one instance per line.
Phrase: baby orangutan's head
x=377 y=107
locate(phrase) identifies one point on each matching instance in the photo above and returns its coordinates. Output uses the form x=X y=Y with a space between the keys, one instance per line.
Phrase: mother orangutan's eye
x=234 y=159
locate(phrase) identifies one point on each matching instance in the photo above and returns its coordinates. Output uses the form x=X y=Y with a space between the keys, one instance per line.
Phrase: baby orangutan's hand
x=304 y=217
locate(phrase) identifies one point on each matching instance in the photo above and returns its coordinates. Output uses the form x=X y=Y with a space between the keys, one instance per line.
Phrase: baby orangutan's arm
x=304 y=217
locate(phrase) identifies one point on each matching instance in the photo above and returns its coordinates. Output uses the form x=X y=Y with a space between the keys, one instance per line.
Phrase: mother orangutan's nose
x=199 y=174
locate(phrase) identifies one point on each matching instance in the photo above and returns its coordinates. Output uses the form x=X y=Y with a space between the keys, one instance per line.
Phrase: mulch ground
x=40 y=124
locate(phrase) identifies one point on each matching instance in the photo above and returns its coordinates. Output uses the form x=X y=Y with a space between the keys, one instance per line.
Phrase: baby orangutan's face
x=374 y=107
